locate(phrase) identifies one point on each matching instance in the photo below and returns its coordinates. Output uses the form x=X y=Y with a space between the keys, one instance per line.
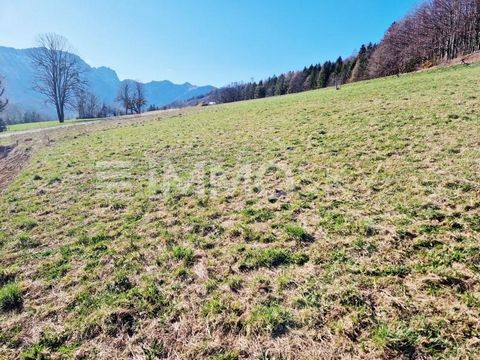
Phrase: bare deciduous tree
x=3 y=105
x=4 y=102
x=58 y=72
x=88 y=105
x=139 y=99
x=436 y=31
x=124 y=97
x=132 y=96
x=296 y=82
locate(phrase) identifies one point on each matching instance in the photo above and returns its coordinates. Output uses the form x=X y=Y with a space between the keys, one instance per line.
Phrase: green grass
x=297 y=232
x=271 y=257
x=318 y=225
x=10 y=297
x=183 y=253
x=270 y=318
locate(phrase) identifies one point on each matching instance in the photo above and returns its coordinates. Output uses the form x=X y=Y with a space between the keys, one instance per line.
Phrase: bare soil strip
x=12 y=160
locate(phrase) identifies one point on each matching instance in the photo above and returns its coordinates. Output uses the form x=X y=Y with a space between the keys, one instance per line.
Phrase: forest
x=434 y=32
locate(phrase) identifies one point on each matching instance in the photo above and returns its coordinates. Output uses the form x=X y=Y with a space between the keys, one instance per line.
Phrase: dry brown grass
x=329 y=224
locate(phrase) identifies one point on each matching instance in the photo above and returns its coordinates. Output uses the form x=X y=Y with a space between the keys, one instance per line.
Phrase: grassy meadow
x=325 y=224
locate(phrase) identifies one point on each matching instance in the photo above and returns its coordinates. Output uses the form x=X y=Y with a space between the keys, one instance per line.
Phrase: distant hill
x=16 y=69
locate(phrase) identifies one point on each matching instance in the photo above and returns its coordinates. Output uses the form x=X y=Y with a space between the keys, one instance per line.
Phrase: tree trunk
x=60 y=114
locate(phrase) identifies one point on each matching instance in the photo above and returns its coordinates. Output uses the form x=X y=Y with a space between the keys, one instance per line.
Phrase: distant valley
x=17 y=71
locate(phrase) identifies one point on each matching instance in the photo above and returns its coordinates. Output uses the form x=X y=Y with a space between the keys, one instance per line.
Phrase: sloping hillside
x=327 y=224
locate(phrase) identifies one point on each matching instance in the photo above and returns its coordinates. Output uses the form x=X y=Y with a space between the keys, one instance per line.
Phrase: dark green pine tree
x=338 y=66
x=324 y=75
x=347 y=70
x=260 y=91
x=311 y=79
x=280 y=87
x=360 y=70
x=270 y=86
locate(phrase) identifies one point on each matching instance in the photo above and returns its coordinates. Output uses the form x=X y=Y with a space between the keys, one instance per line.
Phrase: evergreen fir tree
x=324 y=75
x=280 y=86
x=338 y=66
x=360 y=70
x=260 y=91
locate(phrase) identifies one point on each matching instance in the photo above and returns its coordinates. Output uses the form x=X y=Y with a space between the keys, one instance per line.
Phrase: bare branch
x=58 y=72
x=132 y=96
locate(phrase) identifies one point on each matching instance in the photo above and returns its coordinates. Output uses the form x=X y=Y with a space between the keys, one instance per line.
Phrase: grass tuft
x=296 y=232
x=11 y=297
x=271 y=257
x=271 y=318
x=184 y=253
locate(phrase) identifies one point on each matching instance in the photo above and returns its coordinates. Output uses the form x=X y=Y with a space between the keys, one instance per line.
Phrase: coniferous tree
x=280 y=86
x=324 y=75
x=360 y=69
x=338 y=66
x=260 y=90
x=310 y=81
x=437 y=30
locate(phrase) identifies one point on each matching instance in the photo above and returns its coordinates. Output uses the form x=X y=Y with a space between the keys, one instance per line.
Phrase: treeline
x=18 y=117
x=330 y=73
x=436 y=31
x=131 y=96
x=89 y=106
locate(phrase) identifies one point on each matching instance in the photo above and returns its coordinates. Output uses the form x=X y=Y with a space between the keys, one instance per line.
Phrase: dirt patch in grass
x=12 y=160
x=5 y=150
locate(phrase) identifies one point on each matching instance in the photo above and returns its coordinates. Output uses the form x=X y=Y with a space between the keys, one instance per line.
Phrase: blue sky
x=204 y=42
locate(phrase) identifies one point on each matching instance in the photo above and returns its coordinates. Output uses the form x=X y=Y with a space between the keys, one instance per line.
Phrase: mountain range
x=17 y=73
